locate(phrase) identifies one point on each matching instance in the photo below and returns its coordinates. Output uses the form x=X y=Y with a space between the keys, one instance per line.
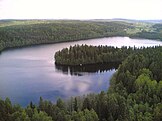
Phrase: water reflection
x=28 y=73
x=80 y=70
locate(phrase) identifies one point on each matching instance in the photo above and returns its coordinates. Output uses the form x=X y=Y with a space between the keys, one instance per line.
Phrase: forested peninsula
x=79 y=55
x=135 y=94
x=18 y=33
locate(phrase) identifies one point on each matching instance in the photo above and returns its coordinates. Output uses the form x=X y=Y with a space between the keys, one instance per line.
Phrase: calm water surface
x=28 y=73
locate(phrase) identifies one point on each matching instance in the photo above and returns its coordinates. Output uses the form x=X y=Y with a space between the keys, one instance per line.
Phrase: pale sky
x=80 y=9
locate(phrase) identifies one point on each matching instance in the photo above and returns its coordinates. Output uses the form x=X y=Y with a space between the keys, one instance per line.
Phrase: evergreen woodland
x=135 y=94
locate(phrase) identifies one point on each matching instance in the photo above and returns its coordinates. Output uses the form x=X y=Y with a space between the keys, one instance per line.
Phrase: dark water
x=78 y=70
x=28 y=73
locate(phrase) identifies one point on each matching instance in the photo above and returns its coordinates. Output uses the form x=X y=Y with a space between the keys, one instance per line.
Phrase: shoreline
x=47 y=43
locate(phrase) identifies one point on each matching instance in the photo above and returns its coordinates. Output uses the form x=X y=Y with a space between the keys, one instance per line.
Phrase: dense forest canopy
x=135 y=94
x=17 y=33
x=86 y=55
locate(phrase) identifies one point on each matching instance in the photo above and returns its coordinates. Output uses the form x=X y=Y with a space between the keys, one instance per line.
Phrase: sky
x=81 y=9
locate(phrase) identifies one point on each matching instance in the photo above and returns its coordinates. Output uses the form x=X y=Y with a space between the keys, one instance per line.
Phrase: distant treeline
x=135 y=94
x=23 y=33
x=57 y=31
x=155 y=34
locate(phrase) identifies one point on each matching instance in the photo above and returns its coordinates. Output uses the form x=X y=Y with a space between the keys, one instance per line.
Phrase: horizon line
x=79 y=19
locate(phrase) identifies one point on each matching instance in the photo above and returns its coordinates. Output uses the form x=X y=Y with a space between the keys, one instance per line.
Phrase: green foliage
x=14 y=33
x=38 y=32
x=135 y=93
x=84 y=55
x=40 y=116
x=143 y=93
x=20 y=116
x=86 y=115
x=8 y=112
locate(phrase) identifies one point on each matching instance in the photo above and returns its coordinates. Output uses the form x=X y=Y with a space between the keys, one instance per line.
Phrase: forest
x=86 y=55
x=18 y=33
x=41 y=32
x=135 y=94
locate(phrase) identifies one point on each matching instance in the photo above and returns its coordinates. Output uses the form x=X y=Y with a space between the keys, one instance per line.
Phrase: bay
x=30 y=72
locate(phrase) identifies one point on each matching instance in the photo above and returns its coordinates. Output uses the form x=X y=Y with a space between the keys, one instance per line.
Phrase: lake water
x=28 y=73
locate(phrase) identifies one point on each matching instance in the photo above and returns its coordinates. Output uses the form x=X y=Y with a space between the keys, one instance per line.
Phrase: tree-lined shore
x=18 y=33
x=80 y=55
x=135 y=94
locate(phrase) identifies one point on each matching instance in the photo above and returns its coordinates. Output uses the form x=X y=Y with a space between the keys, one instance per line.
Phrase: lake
x=30 y=72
